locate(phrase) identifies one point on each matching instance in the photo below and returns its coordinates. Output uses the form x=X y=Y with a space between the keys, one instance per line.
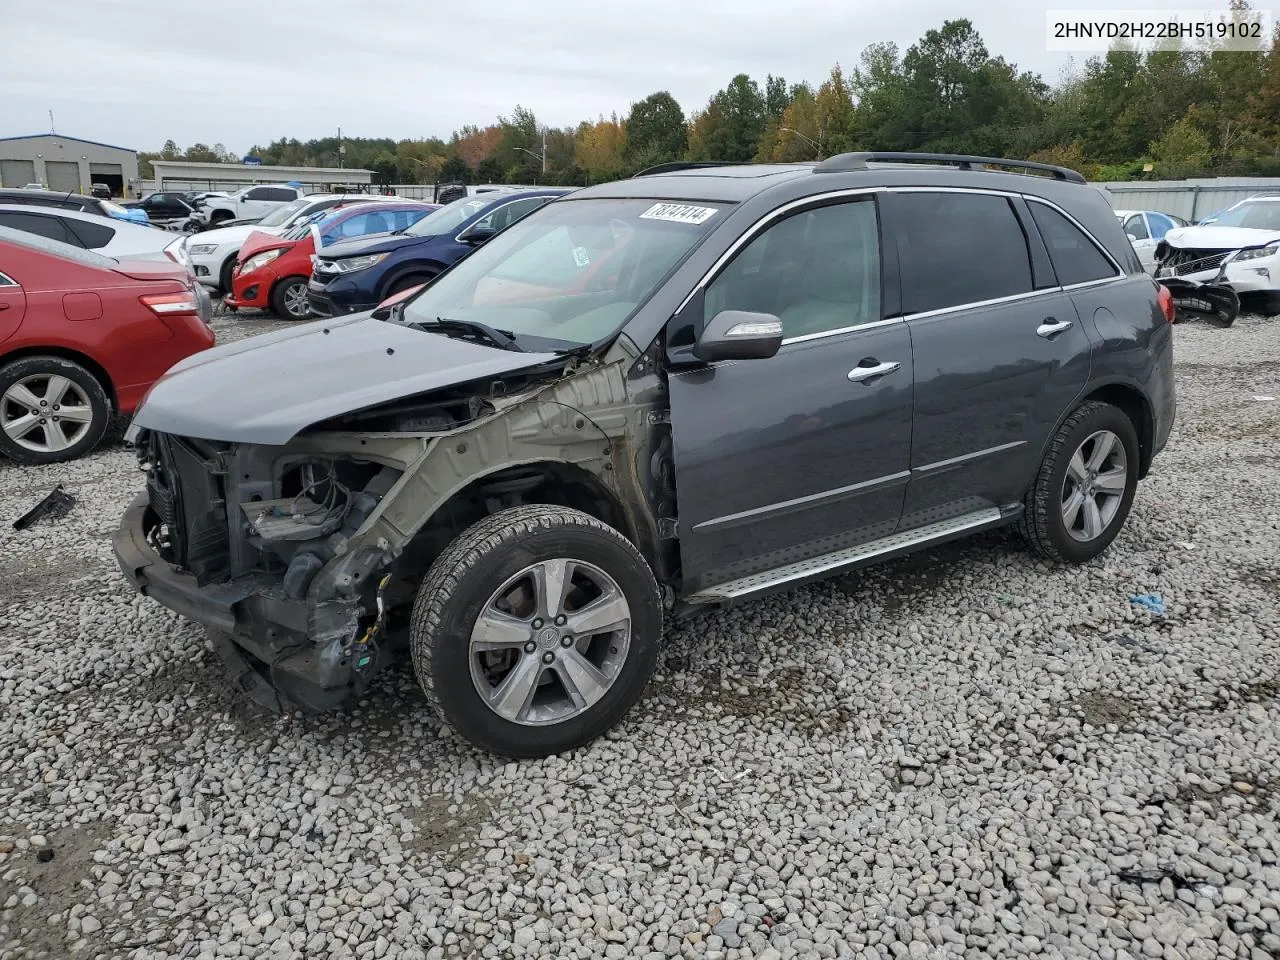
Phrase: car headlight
x=1268 y=251
x=259 y=260
x=352 y=264
x=202 y=249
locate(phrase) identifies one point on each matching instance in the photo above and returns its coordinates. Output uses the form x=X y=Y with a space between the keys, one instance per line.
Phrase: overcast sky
x=135 y=72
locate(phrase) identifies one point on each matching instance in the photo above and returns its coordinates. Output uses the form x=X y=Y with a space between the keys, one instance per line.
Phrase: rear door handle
x=861 y=373
x=5 y=306
x=1051 y=327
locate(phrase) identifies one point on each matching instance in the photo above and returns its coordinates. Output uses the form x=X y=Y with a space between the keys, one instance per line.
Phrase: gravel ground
x=965 y=753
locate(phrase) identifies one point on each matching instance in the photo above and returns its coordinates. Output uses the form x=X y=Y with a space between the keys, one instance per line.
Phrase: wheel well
x=88 y=363
x=418 y=271
x=560 y=484
x=1134 y=406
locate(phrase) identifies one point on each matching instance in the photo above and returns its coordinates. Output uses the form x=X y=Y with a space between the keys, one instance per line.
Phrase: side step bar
x=794 y=573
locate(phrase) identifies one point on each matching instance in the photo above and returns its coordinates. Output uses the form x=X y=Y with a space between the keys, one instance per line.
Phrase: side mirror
x=476 y=234
x=739 y=335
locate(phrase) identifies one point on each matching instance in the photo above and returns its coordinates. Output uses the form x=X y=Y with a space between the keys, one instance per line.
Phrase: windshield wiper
x=469 y=329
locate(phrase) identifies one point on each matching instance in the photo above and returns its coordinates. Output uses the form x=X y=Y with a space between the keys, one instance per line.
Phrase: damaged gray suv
x=682 y=390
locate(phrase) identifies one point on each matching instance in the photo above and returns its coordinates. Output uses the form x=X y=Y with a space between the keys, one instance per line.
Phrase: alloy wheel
x=1094 y=487
x=45 y=413
x=550 y=642
x=295 y=300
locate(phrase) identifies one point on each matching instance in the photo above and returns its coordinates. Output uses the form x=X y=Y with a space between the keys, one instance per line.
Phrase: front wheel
x=536 y=630
x=289 y=299
x=1085 y=486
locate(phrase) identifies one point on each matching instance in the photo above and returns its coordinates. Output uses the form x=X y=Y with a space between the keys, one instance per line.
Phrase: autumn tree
x=601 y=149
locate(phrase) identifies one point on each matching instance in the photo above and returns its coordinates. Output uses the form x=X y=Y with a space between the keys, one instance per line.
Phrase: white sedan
x=105 y=235
x=1145 y=229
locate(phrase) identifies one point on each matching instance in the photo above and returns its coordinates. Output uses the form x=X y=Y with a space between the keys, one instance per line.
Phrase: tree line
x=1163 y=114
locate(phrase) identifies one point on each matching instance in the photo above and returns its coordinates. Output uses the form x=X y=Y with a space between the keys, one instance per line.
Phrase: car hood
x=261 y=240
x=376 y=243
x=268 y=388
x=1219 y=238
x=236 y=235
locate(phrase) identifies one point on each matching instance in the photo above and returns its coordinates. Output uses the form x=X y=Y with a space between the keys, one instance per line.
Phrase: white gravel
x=966 y=753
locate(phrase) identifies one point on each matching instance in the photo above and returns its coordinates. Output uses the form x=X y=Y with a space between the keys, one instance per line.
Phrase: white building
x=185 y=175
x=66 y=163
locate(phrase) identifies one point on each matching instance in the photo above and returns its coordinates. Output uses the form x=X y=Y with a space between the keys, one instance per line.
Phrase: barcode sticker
x=679 y=213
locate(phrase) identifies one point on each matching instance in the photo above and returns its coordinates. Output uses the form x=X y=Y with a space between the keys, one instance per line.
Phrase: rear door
x=1000 y=352
x=805 y=453
x=13 y=302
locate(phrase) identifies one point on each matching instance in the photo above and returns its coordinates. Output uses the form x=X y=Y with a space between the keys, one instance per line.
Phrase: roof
x=19 y=194
x=266 y=168
x=63 y=136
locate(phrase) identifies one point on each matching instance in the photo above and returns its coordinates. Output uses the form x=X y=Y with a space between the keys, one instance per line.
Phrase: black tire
x=464 y=577
x=87 y=384
x=404 y=283
x=280 y=292
x=1042 y=523
x=224 y=275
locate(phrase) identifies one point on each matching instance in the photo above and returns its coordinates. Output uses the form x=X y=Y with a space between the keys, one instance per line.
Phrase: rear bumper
x=261 y=637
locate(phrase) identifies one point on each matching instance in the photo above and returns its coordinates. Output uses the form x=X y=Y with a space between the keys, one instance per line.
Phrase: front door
x=1000 y=351
x=805 y=453
x=1144 y=244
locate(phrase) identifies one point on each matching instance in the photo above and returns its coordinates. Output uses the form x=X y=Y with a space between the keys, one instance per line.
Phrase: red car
x=271 y=272
x=83 y=336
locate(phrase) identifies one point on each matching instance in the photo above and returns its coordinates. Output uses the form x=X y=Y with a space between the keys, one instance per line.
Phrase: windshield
x=573 y=271
x=1259 y=215
x=449 y=217
x=281 y=215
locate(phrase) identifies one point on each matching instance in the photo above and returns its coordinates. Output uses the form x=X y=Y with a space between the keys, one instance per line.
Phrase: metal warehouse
x=66 y=163
x=190 y=175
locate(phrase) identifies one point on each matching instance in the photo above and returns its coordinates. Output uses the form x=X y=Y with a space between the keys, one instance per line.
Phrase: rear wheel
x=1085 y=486
x=289 y=299
x=536 y=630
x=51 y=409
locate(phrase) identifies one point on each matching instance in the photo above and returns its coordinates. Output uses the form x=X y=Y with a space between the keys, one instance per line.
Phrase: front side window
x=571 y=273
x=1136 y=228
x=1076 y=258
x=817 y=271
x=1160 y=225
x=508 y=213
x=959 y=248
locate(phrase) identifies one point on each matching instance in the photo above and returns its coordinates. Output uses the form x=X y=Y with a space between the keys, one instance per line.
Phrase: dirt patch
x=57 y=883
x=448 y=836
x=773 y=696
x=1099 y=709
x=1263 y=576
x=26 y=581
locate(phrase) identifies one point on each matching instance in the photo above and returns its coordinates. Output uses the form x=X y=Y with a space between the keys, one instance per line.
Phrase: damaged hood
x=267 y=389
x=1219 y=238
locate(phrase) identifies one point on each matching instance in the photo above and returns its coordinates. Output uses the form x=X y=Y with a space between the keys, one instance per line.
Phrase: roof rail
x=686 y=165
x=847 y=162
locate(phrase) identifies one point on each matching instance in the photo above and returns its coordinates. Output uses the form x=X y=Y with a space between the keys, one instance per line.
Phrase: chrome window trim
x=764 y=222
x=8 y=281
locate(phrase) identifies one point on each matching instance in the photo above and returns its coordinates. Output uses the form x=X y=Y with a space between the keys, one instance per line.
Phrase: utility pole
x=341 y=148
x=544 y=152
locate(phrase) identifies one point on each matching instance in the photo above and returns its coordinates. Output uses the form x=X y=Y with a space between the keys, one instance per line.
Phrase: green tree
x=656 y=131
x=455 y=169
x=730 y=127
x=201 y=153
x=170 y=151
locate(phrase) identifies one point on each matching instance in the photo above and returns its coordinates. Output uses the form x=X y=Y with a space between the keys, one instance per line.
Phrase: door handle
x=5 y=306
x=860 y=373
x=1051 y=327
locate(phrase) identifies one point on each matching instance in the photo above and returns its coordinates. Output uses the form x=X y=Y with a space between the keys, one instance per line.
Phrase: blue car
x=358 y=274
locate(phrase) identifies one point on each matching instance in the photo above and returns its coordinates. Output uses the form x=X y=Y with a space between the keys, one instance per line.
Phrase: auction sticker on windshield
x=679 y=213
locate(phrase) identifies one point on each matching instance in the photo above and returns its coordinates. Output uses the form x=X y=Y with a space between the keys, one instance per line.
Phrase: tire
x=503 y=549
x=281 y=294
x=1044 y=523
x=224 y=275
x=404 y=283
x=35 y=379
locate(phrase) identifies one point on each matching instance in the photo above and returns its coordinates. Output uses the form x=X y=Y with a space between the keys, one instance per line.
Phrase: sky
x=137 y=72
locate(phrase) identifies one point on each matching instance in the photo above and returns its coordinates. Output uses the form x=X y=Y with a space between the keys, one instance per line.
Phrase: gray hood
x=267 y=389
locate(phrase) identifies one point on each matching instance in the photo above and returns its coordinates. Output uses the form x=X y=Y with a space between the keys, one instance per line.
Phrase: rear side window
x=42 y=225
x=56 y=248
x=959 y=248
x=94 y=236
x=278 y=193
x=1076 y=258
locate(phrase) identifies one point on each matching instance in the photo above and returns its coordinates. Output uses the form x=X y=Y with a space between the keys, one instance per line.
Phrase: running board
x=815 y=567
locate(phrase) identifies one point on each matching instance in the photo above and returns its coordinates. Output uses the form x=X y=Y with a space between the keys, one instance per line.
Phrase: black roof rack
x=686 y=165
x=846 y=162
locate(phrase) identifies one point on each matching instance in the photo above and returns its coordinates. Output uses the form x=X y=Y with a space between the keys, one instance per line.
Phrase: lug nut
x=548 y=657
x=530 y=647
x=561 y=620
x=537 y=623
x=566 y=641
x=44 y=403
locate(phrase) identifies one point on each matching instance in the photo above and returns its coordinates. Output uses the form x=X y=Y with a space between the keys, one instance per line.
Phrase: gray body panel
x=270 y=389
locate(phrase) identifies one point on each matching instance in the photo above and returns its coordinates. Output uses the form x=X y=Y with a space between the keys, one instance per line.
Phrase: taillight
x=168 y=304
x=1166 y=304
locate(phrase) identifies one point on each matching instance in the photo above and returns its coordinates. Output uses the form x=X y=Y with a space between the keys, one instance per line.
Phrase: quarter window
x=1076 y=258
x=959 y=248
x=817 y=271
